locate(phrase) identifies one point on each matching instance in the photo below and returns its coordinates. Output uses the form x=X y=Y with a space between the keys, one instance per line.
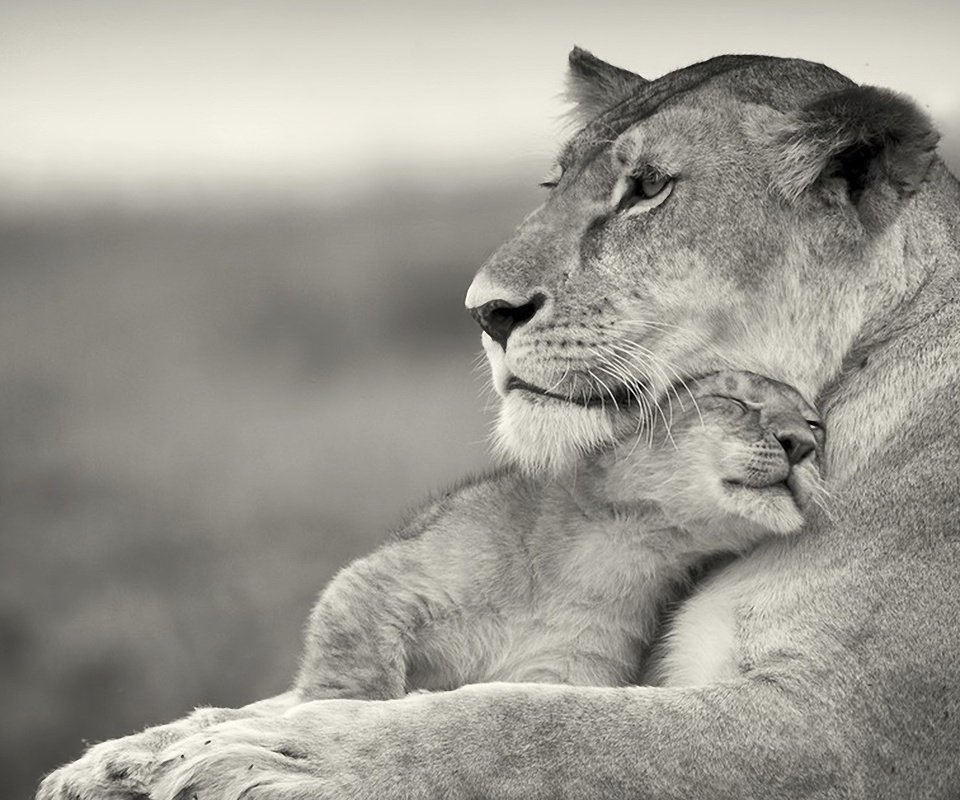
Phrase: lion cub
x=524 y=579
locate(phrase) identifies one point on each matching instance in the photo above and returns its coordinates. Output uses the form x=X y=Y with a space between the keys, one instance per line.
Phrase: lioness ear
x=594 y=85
x=866 y=146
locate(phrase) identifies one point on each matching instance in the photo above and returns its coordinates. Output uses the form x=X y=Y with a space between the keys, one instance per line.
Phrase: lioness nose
x=797 y=442
x=499 y=318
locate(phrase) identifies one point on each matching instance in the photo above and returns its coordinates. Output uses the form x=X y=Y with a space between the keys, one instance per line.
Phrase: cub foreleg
x=374 y=621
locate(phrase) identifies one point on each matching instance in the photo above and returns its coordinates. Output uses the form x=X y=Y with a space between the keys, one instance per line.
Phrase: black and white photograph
x=512 y=400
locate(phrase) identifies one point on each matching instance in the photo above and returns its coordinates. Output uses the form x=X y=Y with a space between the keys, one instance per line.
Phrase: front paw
x=122 y=769
x=237 y=759
x=305 y=753
x=116 y=770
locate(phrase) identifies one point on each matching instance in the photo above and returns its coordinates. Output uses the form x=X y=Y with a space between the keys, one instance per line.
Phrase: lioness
x=744 y=213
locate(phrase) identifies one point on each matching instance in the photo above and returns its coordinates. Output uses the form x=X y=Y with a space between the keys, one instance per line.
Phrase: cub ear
x=865 y=146
x=594 y=85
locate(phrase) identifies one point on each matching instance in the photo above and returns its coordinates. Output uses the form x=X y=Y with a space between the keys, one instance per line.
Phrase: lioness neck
x=905 y=362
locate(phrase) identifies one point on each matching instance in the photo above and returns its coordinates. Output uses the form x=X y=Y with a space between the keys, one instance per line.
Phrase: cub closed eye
x=642 y=191
x=744 y=405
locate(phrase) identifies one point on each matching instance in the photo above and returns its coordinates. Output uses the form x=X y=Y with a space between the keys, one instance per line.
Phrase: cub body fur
x=561 y=581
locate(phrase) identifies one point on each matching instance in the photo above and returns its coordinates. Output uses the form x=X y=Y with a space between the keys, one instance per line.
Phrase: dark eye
x=646 y=189
x=651 y=184
x=815 y=425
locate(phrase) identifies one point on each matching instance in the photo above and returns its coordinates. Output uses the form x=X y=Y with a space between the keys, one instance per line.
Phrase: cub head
x=743 y=457
x=746 y=213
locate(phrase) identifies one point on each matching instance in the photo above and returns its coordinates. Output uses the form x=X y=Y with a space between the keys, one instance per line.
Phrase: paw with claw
x=320 y=750
x=124 y=769
x=267 y=757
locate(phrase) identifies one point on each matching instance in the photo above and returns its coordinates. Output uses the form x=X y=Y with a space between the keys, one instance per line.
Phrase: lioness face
x=664 y=253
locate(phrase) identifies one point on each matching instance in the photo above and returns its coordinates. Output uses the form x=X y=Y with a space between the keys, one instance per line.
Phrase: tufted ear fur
x=865 y=146
x=594 y=85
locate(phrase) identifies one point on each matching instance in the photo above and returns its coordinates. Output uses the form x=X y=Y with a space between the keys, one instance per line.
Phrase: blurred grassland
x=205 y=411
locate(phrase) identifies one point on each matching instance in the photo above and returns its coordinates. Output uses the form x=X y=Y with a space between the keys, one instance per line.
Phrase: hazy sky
x=134 y=92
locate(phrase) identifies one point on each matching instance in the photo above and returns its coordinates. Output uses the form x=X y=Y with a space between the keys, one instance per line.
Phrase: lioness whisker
x=631 y=348
x=621 y=370
x=650 y=360
x=561 y=379
x=627 y=344
x=621 y=367
x=603 y=386
x=694 y=337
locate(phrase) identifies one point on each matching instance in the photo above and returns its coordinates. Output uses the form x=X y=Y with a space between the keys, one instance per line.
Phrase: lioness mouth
x=617 y=396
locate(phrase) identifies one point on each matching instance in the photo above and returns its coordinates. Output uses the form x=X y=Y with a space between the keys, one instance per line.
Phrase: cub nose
x=797 y=442
x=499 y=318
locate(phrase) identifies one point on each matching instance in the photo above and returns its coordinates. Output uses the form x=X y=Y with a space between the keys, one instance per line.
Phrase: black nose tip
x=499 y=318
x=796 y=446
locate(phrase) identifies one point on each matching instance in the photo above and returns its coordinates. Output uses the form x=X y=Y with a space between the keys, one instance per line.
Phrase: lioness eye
x=652 y=185
x=814 y=425
x=646 y=189
x=551 y=179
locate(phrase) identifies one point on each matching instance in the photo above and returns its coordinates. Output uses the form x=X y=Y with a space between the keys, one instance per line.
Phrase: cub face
x=738 y=214
x=744 y=455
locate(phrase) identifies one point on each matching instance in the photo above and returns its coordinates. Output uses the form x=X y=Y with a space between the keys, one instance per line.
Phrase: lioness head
x=744 y=213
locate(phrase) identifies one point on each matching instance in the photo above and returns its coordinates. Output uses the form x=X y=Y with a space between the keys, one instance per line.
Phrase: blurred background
x=234 y=243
